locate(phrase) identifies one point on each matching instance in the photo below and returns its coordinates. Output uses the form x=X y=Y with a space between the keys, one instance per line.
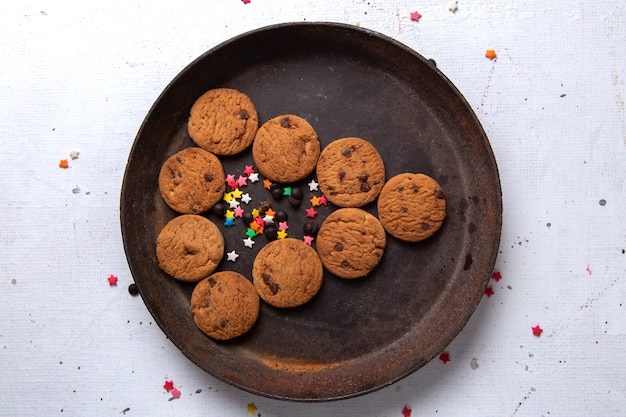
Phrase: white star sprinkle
x=248 y=242
x=233 y=203
x=313 y=186
x=246 y=198
x=453 y=6
x=268 y=219
x=254 y=177
x=232 y=255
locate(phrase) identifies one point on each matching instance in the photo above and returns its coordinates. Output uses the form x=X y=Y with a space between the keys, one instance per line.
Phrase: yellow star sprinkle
x=252 y=408
x=282 y=234
x=237 y=193
x=255 y=213
x=227 y=197
x=229 y=214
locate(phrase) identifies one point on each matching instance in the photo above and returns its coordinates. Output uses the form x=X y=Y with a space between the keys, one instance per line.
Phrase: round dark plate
x=355 y=336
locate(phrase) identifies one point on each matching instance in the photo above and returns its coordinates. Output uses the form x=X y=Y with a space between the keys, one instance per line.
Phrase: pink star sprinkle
x=238 y=211
x=310 y=212
x=537 y=330
x=175 y=393
x=323 y=200
x=283 y=226
x=308 y=239
x=588 y=269
x=260 y=221
x=241 y=181
x=249 y=170
x=415 y=16
x=112 y=280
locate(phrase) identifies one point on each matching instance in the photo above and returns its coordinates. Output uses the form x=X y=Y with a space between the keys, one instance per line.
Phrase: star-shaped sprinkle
x=270 y=212
x=228 y=197
x=415 y=16
x=254 y=177
x=255 y=213
x=489 y=292
x=310 y=212
x=268 y=219
x=497 y=276
x=313 y=186
x=246 y=198
x=241 y=181
x=251 y=408
x=259 y=221
x=267 y=183
x=308 y=239
x=281 y=234
x=323 y=200
x=245 y=1
x=283 y=226
x=444 y=357
x=248 y=242
x=233 y=203
x=238 y=211
x=237 y=193
x=63 y=163
x=491 y=54
x=406 y=411
x=232 y=255
x=175 y=393
x=252 y=230
x=230 y=180
x=453 y=6
x=168 y=385
x=112 y=280
x=229 y=222
x=229 y=214
x=315 y=201
x=248 y=170
x=287 y=191
x=537 y=330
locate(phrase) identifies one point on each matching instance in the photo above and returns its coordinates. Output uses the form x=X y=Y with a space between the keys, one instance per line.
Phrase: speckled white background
x=81 y=76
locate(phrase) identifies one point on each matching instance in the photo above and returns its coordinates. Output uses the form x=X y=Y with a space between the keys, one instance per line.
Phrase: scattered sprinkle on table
x=406 y=411
x=248 y=242
x=232 y=255
x=537 y=330
x=251 y=408
x=489 y=292
x=415 y=16
x=64 y=164
x=168 y=385
x=175 y=393
x=496 y=276
x=310 y=212
x=453 y=6
x=491 y=54
x=444 y=357
x=254 y=177
x=133 y=289
x=74 y=154
x=112 y=280
x=313 y=186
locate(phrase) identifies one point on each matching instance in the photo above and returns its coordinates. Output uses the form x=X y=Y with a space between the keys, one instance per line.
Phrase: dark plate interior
x=354 y=336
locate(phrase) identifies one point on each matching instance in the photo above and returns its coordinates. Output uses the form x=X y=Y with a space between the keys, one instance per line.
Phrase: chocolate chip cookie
x=350 y=172
x=225 y=305
x=351 y=242
x=411 y=207
x=223 y=121
x=189 y=247
x=287 y=273
x=286 y=149
x=192 y=181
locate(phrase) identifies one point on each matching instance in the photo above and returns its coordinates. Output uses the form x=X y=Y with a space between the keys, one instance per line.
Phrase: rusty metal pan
x=355 y=336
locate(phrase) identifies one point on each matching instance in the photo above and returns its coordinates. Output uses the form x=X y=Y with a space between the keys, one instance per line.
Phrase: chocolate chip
x=439 y=193
x=179 y=173
x=400 y=189
x=277 y=193
x=208 y=177
x=363 y=177
x=342 y=175
x=212 y=282
x=272 y=286
x=365 y=187
x=347 y=153
x=219 y=209
x=179 y=160
x=345 y=265
x=270 y=232
x=285 y=122
x=296 y=192
x=133 y=289
x=243 y=115
x=172 y=174
x=310 y=228
x=338 y=247
x=404 y=209
x=415 y=188
x=281 y=216
x=425 y=226
x=224 y=324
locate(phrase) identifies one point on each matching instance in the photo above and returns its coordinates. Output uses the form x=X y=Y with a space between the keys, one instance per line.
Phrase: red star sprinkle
x=415 y=16
x=444 y=357
x=241 y=181
x=310 y=212
x=406 y=411
x=537 y=330
x=249 y=170
x=497 y=276
x=323 y=200
x=489 y=292
x=245 y=1
x=168 y=385
x=176 y=391
x=112 y=280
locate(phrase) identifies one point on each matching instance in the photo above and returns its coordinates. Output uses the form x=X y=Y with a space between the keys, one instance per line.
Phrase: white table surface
x=82 y=75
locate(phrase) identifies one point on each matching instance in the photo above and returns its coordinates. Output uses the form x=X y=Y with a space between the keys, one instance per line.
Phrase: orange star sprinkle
x=315 y=201
x=63 y=163
x=267 y=183
x=270 y=212
x=491 y=54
